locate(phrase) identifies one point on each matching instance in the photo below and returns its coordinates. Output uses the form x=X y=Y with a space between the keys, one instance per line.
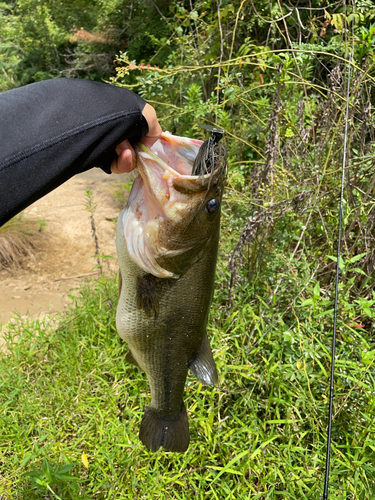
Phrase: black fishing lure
x=210 y=153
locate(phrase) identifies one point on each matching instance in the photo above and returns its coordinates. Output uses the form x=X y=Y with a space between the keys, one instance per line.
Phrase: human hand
x=154 y=128
x=125 y=162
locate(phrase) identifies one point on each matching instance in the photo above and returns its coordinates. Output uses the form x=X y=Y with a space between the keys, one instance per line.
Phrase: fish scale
x=168 y=341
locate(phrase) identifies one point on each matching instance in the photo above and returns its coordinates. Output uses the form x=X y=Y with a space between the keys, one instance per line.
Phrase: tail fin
x=169 y=431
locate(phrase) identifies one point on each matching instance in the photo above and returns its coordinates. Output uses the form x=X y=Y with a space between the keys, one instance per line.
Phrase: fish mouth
x=173 y=153
x=171 y=159
x=163 y=196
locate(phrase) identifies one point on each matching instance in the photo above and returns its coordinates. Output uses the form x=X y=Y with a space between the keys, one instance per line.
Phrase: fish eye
x=212 y=206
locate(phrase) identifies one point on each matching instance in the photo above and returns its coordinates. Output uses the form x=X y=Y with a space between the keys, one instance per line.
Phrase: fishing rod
x=333 y=348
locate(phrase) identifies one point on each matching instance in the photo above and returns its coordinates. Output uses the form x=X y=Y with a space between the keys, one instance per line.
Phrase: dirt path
x=41 y=286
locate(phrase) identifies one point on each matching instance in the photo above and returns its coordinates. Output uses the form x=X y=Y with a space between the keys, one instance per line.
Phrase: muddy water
x=41 y=286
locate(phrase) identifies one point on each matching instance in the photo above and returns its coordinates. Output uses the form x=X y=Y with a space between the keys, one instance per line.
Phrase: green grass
x=66 y=390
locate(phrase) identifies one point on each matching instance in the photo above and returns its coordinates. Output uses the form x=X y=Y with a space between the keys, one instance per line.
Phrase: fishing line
x=331 y=389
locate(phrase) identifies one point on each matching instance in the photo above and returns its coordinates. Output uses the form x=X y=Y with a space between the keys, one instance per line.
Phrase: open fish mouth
x=173 y=153
x=164 y=200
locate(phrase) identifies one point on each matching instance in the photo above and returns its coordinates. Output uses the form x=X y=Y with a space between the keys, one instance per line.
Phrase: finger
x=125 y=162
x=154 y=128
x=123 y=146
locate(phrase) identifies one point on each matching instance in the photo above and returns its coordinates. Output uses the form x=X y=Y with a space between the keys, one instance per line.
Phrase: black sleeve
x=52 y=130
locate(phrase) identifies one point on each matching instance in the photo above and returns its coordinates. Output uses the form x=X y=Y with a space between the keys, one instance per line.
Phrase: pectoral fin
x=147 y=295
x=203 y=367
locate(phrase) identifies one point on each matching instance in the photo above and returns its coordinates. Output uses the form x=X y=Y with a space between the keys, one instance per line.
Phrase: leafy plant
x=54 y=479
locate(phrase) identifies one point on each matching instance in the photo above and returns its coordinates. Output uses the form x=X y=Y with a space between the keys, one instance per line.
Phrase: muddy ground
x=41 y=286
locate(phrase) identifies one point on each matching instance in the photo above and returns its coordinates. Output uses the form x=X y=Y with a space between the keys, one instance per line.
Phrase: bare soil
x=41 y=286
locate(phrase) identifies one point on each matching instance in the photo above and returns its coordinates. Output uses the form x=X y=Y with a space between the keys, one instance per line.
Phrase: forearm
x=54 y=129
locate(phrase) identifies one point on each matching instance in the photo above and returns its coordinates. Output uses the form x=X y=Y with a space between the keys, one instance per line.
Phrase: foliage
x=289 y=90
x=41 y=39
x=275 y=77
x=72 y=405
x=53 y=479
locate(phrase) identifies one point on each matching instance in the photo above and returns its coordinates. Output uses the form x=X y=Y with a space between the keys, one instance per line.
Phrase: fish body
x=167 y=243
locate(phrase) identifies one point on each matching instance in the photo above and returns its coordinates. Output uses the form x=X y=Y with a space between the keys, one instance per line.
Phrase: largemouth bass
x=167 y=242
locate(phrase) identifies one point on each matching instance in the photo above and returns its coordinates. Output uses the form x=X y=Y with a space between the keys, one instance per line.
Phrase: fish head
x=171 y=215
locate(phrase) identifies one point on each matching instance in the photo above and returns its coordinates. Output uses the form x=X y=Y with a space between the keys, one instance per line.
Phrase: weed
x=90 y=206
x=120 y=192
x=67 y=392
x=20 y=238
x=55 y=480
